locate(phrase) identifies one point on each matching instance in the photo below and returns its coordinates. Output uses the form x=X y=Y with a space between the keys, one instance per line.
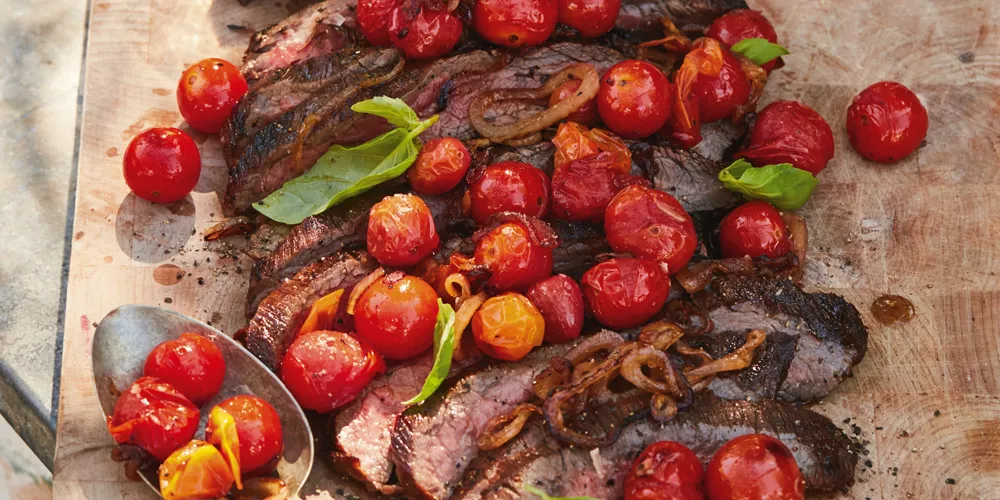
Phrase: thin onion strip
x=503 y=428
x=464 y=314
x=457 y=286
x=736 y=360
x=360 y=288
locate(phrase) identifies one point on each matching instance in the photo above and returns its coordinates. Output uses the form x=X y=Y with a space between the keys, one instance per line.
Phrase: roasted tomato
x=634 y=99
x=652 y=224
x=509 y=186
x=192 y=364
x=592 y=18
x=258 y=429
x=373 y=19
x=719 y=95
x=582 y=190
x=740 y=24
x=208 y=92
x=788 y=132
x=754 y=466
x=224 y=435
x=625 y=292
x=665 y=470
x=401 y=230
x=886 y=122
x=154 y=416
x=440 y=166
x=325 y=370
x=425 y=34
x=584 y=115
x=515 y=23
x=515 y=261
x=198 y=470
x=396 y=316
x=560 y=301
x=162 y=165
x=507 y=327
x=684 y=129
x=573 y=142
x=754 y=228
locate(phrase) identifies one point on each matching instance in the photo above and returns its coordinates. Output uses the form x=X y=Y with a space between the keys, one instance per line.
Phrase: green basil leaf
x=390 y=108
x=545 y=496
x=759 y=50
x=782 y=185
x=444 y=347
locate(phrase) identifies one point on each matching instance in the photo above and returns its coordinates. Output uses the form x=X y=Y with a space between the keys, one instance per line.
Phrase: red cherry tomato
x=754 y=466
x=373 y=19
x=325 y=370
x=560 y=301
x=788 y=132
x=154 y=416
x=754 y=228
x=684 y=133
x=592 y=18
x=573 y=142
x=207 y=93
x=440 y=166
x=634 y=99
x=625 y=292
x=401 y=230
x=665 y=470
x=719 y=95
x=886 y=122
x=192 y=364
x=509 y=186
x=651 y=224
x=162 y=165
x=429 y=33
x=582 y=190
x=740 y=24
x=396 y=316
x=258 y=429
x=515 y=23
x=507 y=327
x=584 y=115
x=514 y=260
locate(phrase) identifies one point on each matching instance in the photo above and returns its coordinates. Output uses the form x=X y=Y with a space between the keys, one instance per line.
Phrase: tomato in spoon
x=258 y=430
x=886 y=122
x=192 y=364
x=197 y=470
x=207 y=93
x=161 y=165
x=155 y=416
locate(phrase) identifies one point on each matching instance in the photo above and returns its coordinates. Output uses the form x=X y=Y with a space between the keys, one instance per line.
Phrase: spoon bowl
x=126 y=336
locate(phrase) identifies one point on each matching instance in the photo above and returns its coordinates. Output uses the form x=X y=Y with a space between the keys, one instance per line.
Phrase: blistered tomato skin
x=625 y=292
x=514 y=260
x=741 y=24
x=207 y=92
x=401 y=231
x=396 y=316
x=155 y=416
x=515 y=23
x=634 y=99
x=592 y=18
x=440 y=166
x=507 y=327
x=325 y=370
x=754 y=466
x=719 y=95
x=652 y=224
x=886 y=122
x=586 y=114
x=665 y=470
x=788 y=132
x=431 y=33
x=685 y=135
x=754 y=228
x=373 y=19
x=258 y=429
x=509 y=186
x=560 y=301
x=582 y=190
x=192 y=364
x=162 y=165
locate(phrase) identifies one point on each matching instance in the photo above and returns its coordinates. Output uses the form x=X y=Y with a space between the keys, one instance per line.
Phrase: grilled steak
x=688 y=176
x=767 y=371
x=823 y=452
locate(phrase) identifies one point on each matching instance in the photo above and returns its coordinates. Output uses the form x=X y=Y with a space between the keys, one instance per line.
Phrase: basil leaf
x=783 y=185
x=545 y=496
x=444 y=347
x=759 y=50
x=390 y=108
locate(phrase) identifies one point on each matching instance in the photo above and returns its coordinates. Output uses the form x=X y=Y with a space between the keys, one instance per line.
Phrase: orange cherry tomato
x=514 y=260
x=652 y=224
x=754 y=466
x=192 y=364
x=401 y=231
x=325 y=370
x=207 y=92
x=665 y=470
x=507 y=327
x=154 y=416
x=396 y=316
x=440 y=166
x=197 y=470
x=258 y=429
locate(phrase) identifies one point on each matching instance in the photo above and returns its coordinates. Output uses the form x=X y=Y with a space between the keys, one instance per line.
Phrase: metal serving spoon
x=127 y=335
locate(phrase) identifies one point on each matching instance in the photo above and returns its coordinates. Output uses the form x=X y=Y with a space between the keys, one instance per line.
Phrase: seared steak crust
x=686 y=175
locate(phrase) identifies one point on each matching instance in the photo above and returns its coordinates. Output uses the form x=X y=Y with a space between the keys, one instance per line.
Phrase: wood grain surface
x=925 y=401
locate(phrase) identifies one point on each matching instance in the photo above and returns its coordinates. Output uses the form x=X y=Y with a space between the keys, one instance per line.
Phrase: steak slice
x=686 y=175
x=823 y=452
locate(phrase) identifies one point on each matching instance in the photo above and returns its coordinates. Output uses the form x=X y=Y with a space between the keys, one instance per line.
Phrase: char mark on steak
x=686 y=175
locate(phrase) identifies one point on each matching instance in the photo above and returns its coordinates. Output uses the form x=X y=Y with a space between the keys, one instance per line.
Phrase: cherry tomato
x=325 y=370
x=401 y=231
x=560 y=301
x=634 y=99
x=207 y=93
x=258 y=429
x=573 y=141
x=592 y=18
x=788 y=132
x=162 y=165
x=440 y=166
x=192 y=364
x=582 y=190
x=509 y=186
x=625 y=292
x=584 y=115
x=507 y=327
x=514 y=260
x=754 y=228
x=154 y=416
x=396 y=316
x=719 y=95
x=886 y=122
x=652 y=224
x=754 y=466
x=740 y=24
x=515 y=23
x=684 y=133
x=429 y=33
x=665 y=470
x=197 y=470
x=373 y=19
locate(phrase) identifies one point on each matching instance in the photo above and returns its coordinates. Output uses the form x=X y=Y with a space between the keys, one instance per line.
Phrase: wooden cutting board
x=926 y=400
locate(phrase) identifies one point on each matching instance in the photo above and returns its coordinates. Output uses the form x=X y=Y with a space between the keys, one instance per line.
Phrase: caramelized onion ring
x=657 y=363
x=660 y=335
x=463 y=316
x=360 y=288
x=696 y=277
x=503 y=428
x=458 y=287
x=736 y=360
x=549 y=379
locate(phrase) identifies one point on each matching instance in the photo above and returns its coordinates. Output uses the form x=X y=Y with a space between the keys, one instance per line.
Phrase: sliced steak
x=823 y=452
x=688 y=176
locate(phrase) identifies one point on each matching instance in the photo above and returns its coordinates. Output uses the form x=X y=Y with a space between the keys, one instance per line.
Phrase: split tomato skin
x=650 y=223
x=886 y=122
x=754 y=466
x=401 y=231
x=582 y=190
x=207 y=93
x=756 y=229
x=625 y=292
x=789 y=132
x=634 y=99
x=665 y=470
x=718 y=96
x=740 y=24
x=440 y=166
x=515 y=23
x=592 y=18
x=373 y=19
x=162 y=165
x=515 y=261
x=507 y=327
x=560 y=301
x=196 y=470
x=192 y=364
x=325 y=370
x=509 y=186
x=586 y=114
x=154 y=416
x=396 y=316
x=258 y=428
x=428 y=34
